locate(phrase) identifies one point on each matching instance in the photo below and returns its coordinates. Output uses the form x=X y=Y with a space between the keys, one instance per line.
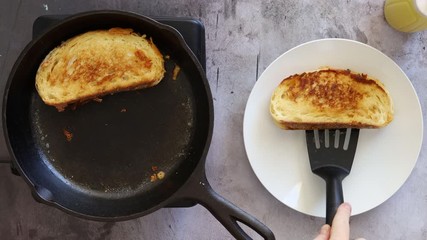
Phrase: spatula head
x=332 y=149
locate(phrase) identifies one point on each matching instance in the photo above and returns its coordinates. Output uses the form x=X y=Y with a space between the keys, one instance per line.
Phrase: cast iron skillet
x=105 y=171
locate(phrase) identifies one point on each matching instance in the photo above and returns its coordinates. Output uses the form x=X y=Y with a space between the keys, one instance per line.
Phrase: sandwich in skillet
x=96 y=63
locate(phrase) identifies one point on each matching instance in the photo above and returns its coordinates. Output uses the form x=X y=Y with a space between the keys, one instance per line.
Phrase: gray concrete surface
x=242 y=38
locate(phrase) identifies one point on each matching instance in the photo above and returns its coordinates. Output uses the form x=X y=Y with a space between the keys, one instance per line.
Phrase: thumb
x=340 y=225
x=324 y=233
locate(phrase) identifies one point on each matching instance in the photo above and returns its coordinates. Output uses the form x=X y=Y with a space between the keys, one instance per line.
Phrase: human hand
x=340 y=229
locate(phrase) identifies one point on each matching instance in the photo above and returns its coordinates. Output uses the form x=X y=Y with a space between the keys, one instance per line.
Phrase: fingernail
x=347 y=206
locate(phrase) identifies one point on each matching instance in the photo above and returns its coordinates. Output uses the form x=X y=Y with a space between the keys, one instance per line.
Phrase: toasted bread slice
x=331 y=98
x=97 y=63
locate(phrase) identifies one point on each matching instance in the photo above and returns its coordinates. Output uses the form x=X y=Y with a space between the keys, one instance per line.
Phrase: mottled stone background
x=242 y=38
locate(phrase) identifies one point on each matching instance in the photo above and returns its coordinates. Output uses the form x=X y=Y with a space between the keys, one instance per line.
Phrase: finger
x=341 y=223
x=324 y=233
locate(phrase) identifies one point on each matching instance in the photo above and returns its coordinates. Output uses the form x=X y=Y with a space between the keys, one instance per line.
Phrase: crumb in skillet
x=167 y=57
x=123 y=110
x=97 y=99
x=68 y=135
x=157 y=175
x=153 y=177
x=175 y=73
x=160 y=175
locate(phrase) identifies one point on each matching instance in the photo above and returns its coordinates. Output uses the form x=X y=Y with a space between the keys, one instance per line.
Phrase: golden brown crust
x=331 y=98
x=333 y=94
x=97 y=63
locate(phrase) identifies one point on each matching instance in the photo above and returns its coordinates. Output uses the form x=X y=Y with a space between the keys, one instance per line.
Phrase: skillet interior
x=105 y=170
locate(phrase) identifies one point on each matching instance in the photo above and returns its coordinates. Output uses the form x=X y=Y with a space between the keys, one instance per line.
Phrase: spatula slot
x=322 y=138
x=347 y=138
x=316 y=139
x=326 y=138
x=337 y=138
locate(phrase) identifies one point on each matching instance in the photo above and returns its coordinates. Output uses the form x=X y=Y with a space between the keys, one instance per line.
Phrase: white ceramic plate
x=384 y=157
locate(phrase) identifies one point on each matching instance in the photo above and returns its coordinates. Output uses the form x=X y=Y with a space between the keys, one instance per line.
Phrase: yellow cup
x=406 y=15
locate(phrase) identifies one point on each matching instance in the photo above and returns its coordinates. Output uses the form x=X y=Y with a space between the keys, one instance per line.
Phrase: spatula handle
x=334 y=197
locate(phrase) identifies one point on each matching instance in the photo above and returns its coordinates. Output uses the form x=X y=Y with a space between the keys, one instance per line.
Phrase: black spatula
x=331 y=154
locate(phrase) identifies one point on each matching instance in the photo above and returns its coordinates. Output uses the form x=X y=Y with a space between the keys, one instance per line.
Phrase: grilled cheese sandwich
x=331 y=98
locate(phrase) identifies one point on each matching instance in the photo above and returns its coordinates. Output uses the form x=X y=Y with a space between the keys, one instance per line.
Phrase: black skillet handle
x=226 y=212
x=334 y=197
x=229 y=215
